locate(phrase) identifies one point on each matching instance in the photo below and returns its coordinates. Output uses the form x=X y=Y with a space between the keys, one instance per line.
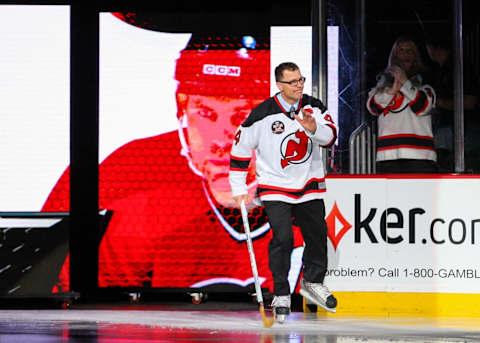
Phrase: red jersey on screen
x=163 y=232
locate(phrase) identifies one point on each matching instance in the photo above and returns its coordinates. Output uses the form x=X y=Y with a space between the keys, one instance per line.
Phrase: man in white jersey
x=286 y=132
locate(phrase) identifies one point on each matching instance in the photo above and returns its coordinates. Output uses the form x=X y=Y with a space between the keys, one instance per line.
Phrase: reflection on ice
x=155 y=323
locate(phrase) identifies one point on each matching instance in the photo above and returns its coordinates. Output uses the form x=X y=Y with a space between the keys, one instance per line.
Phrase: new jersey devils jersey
x=288 y=161
x=404 y=122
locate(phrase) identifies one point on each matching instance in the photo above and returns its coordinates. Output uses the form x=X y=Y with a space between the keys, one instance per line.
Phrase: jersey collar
x=285 y=106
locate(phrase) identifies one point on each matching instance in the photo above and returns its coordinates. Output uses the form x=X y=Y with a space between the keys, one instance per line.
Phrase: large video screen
x=170 y=104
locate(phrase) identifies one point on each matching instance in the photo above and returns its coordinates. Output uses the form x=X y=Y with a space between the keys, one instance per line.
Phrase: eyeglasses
x=295 y=83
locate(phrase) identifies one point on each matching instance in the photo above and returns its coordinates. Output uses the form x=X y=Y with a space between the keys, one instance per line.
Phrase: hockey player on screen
x=286 y=132
x=173 y=225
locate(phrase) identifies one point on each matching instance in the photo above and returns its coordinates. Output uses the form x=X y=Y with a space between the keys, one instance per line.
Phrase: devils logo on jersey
x=296 y=148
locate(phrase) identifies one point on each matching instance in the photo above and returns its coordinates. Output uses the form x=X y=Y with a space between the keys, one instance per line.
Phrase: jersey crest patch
x=278 y=127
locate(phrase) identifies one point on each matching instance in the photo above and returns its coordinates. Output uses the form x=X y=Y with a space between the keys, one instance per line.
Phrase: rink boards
x=404 y=245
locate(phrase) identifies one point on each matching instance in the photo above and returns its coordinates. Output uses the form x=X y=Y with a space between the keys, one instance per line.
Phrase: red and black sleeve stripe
x=239 y=163
x=375 y=108
x=334 y=135
x=420 y=103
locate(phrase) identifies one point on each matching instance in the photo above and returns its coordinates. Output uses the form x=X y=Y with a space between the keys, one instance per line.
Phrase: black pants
x=310 y=217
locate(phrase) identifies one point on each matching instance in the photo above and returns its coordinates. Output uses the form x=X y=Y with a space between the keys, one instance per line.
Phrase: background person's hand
x=398 y=73
x=399 y=78
x=395 y=88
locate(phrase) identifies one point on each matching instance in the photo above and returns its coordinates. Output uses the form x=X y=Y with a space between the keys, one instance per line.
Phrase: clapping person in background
x=403 y=106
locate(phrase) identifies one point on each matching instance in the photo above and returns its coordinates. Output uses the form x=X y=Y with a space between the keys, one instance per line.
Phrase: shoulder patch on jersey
x=278 y=127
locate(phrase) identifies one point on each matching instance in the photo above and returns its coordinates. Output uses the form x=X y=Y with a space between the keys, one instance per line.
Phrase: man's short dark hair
x=284 y=66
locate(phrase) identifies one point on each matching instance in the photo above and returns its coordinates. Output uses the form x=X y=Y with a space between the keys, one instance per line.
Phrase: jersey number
x=237 y=137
